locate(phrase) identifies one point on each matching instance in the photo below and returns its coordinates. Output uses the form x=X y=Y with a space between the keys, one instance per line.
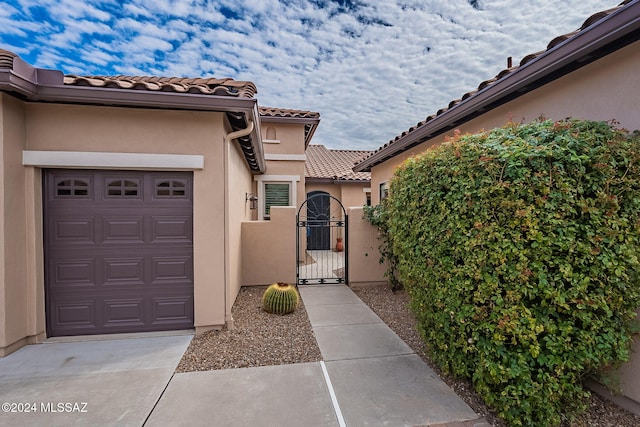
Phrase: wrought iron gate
x=322 y=241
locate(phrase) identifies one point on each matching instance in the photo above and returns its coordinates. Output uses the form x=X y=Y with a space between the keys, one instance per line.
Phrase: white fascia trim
x=286 y=157
x=279 y=178
x=94 y=160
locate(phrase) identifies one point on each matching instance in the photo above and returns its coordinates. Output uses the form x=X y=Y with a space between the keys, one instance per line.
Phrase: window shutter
x=275 y=195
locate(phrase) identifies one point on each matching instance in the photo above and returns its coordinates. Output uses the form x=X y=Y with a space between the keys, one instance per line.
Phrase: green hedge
x=519 y=248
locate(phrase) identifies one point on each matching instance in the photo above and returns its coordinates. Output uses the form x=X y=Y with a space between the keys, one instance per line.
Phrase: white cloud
x=372 y=68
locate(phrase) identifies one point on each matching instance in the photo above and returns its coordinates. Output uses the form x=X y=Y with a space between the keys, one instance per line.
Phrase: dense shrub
x=519 y=248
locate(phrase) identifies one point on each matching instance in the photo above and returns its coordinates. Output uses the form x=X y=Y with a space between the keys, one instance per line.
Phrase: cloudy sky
x=371 y=68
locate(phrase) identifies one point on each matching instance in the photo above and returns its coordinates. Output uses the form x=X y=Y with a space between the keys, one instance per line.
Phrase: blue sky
x=371 y=68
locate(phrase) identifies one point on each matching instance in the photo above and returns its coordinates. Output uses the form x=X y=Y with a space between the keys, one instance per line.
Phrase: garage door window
x=172 y=188
x=123 y=188
x=72 y=188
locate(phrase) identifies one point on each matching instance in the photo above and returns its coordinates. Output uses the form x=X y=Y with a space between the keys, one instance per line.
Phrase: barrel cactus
x=280 y=298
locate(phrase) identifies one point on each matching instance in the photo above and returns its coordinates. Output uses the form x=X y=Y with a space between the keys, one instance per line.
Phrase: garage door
x=118 y=251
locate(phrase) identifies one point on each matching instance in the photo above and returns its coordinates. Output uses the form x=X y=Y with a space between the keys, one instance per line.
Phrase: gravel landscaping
x=261 y=339
x=258 y=338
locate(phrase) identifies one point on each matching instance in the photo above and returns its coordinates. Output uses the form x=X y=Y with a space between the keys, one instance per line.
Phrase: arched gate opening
x=322 y=241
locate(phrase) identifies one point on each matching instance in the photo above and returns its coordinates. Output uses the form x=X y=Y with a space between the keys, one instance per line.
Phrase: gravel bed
x=392 y=309
x=258 y=338
x=261 y=339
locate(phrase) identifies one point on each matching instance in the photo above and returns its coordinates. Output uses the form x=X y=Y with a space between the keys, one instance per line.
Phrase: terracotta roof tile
x=334 y=164
x=311 y=119
x=528 y=58
x=283 y=112
x=6 y=59
x=203 y=86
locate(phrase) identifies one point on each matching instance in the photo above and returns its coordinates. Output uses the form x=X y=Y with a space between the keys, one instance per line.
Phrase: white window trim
x=366 y=190
x=94 y=160
x=276 y=179
x=286 y=157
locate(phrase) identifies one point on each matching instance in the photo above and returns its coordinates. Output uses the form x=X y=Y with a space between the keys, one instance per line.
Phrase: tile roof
x=282 y=112
x=487 y=84
x=203 y=86
x=234 y=98
x=310 y=119
x=6 y=58
x=335 y=165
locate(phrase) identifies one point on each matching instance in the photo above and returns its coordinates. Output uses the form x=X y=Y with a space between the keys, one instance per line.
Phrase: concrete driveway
x=106 y=382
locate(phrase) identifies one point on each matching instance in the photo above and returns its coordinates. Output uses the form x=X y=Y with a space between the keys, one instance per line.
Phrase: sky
x=371 y=68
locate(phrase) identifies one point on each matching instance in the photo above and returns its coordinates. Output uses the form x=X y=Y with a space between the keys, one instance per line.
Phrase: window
x=275 y=190
x=171 y=188
x=384 y=190
x=123 y=188
x=69 y=187
x=275 y=194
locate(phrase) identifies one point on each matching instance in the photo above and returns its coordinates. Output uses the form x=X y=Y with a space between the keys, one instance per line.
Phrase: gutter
x=41 y=85
x=228 y=138
x=573 y=53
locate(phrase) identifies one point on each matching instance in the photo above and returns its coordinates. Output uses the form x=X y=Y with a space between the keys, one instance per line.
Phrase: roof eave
x=40 y=85
x=575 y=50
x=352 y=181
x=318 y=180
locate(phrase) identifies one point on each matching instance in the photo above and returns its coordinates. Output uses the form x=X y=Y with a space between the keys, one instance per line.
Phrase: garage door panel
x=171 y=229
x=170 y=309
x=124 y=271
x=75 y=314
x=119 y=251
x=123 y=230
x=74 y=273
x=177 y=269
x=79 y=230
x=124 y=312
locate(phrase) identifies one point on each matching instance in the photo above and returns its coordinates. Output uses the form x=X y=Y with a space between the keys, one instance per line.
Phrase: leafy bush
x=519 y=248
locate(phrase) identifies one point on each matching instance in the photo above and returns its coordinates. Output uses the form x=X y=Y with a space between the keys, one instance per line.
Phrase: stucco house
x=123 y=198
x=591 y=73
x=331 y=171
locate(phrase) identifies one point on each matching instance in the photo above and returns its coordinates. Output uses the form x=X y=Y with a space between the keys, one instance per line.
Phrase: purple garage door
x=118 y=251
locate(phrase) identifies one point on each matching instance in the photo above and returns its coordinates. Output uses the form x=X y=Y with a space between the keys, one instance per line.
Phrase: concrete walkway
x=369 y=377
x=377 y=379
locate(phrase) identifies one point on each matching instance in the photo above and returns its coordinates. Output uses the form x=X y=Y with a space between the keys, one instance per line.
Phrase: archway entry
x=322 y=240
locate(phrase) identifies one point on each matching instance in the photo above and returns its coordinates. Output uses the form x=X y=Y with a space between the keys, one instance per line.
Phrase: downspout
x=228 y=318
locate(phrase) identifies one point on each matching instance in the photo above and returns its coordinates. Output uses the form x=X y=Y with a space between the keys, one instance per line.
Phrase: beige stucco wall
x=289 y=138
x=14 y=289
x=604 y=90
x=353 y=195
x=240 y=182
x=46 y=127
x=333 y=189
x=289 y=141
x=364 y=256
x=349 y=194
x=269 y=248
